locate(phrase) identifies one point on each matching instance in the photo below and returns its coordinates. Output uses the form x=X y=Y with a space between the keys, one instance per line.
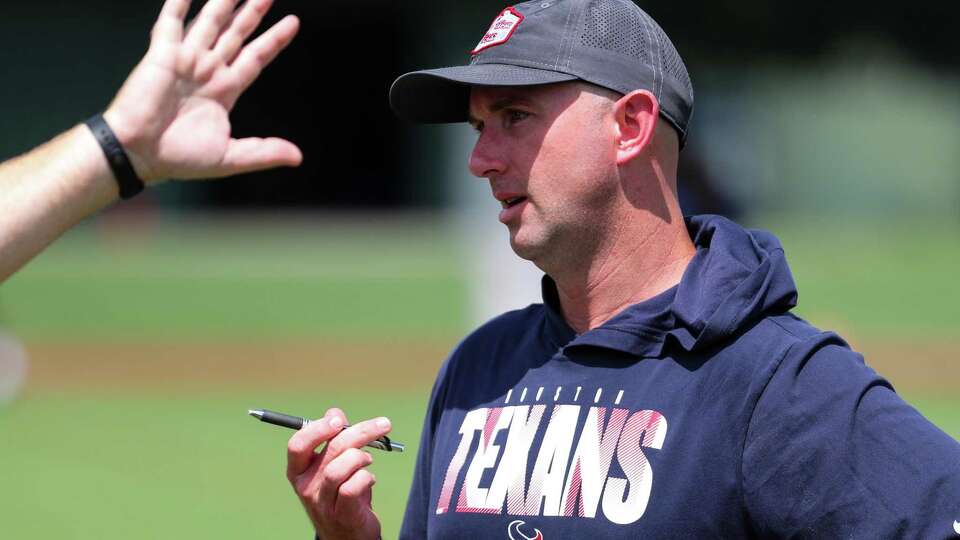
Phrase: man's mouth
x=512 y=201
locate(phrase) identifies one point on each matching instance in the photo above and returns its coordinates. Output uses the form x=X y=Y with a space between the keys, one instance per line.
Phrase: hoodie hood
x=737 y=277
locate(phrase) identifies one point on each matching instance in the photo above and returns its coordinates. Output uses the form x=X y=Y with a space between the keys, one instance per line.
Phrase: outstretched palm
x=172 y=114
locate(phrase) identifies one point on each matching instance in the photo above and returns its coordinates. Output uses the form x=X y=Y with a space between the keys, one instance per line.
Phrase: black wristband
x=130 y=184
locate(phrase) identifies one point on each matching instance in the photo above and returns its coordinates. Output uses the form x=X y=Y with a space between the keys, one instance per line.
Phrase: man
x=663 y=389
x=170 y=120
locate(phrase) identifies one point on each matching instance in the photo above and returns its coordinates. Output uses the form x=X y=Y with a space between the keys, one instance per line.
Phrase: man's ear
x=636 y=115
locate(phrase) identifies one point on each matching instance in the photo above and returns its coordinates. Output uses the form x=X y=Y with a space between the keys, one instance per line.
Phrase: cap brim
x=437 y=96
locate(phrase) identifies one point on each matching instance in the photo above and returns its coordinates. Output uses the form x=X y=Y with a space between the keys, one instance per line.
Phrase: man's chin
x=525 y=248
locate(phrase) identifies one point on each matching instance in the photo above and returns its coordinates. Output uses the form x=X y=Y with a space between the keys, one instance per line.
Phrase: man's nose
x=486 y=160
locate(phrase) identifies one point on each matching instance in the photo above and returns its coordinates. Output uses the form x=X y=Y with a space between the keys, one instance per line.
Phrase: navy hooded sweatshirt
x=708 y=411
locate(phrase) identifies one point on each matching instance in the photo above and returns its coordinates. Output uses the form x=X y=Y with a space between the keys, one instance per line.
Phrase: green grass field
x=149 y=346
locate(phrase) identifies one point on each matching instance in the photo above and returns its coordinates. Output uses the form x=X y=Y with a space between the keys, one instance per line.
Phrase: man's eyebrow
x=507 y=102
x=499 y=105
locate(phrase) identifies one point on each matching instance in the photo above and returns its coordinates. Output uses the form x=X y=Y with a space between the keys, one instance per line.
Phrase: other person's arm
x=171 y=117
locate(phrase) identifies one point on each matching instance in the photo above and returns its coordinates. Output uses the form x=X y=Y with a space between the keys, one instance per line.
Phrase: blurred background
x=131 y=350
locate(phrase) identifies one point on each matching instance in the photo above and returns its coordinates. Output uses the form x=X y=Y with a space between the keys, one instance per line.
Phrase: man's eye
x=515 y=116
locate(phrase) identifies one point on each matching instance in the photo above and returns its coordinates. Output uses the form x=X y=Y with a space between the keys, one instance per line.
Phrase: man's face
x=549 y=154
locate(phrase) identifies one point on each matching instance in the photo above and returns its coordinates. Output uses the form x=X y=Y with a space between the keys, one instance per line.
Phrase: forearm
x=48 y=190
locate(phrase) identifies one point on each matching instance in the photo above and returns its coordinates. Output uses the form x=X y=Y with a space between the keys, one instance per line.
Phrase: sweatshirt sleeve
x=833 y=452
x=415 y=517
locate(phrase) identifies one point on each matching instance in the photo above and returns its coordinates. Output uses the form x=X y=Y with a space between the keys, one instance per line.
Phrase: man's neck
x=639 y=263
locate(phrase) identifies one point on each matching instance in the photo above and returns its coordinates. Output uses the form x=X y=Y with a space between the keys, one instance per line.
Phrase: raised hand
x=172 y=114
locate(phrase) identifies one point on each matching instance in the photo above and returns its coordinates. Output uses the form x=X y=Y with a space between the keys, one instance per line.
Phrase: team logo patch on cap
x=500 y=31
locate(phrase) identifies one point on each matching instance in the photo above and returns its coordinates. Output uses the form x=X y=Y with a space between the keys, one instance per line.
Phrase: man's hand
x=333 y=485
x=172 y=114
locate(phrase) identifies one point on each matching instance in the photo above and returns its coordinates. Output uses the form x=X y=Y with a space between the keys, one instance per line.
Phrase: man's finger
x=244 y=22
x=354 y=496
x=356 y=436
x=209 y=23
x=303 y=443
x=260 y=52
x=337 y=472
x=175 y=9
x=169 y=25
x=307 y=484
x=334 y=411
x=255 y=154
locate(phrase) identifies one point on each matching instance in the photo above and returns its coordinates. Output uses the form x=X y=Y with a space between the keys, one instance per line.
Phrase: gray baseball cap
x=609 y=43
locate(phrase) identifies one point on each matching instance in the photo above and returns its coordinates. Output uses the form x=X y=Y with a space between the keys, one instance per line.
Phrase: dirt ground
x=929 y=367
x=205 y=367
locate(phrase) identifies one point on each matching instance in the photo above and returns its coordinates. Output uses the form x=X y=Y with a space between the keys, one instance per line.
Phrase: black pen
x=295 y=422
